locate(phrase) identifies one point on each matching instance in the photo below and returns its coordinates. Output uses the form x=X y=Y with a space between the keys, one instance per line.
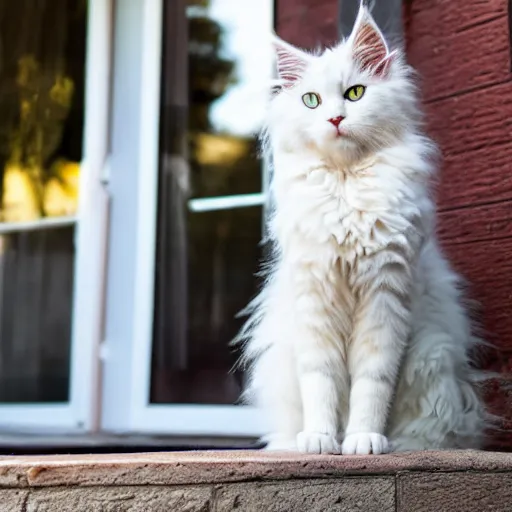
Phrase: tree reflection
x=223 y=246
x=44 y=101
x=41 y=106
x=42 y=67
x=220 y=249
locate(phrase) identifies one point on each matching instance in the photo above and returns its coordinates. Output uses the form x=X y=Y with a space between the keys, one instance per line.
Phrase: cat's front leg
x=381 y=330
x=320 y=401
x=321 y=324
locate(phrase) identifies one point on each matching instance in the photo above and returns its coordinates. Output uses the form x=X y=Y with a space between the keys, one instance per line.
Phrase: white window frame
x=134 y=191
x=80 y=413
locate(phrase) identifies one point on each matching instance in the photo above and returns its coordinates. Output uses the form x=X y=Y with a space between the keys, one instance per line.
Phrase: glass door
x=199 y=198
x=50 y=244
x=210 y=197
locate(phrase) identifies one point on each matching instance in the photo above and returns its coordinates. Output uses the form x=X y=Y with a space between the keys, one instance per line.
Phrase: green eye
x=311 y=99
x=354 y=93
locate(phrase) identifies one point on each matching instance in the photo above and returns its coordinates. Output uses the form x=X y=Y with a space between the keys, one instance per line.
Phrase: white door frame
x=80 y=412
x=131 y=269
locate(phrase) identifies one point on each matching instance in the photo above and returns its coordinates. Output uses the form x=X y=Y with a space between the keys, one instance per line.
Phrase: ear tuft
x=382 y=68
x=291 y=62
x=369 y=47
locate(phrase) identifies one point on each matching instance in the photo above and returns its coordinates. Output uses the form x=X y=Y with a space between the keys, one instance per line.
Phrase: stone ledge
x=454 y=481
x=185 y=468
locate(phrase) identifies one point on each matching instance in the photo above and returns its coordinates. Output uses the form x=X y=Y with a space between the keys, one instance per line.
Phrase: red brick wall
x=461 y=50
x=307 y=23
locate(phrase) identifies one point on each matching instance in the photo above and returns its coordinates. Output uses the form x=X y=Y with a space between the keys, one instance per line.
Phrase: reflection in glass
x=41 y=106
x=206 y=261
x=225 y=107
x=42 y=59
x=36 y=287
x=223 y=253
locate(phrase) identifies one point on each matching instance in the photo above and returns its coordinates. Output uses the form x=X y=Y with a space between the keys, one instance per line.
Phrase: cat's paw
x=317 y=442
x=364 y=444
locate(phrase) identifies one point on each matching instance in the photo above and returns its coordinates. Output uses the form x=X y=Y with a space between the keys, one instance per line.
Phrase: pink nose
x=336 y=120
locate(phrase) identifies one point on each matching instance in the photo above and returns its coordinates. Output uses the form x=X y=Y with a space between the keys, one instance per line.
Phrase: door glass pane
x=206 y=261
x=225 y=108
x=42 y=59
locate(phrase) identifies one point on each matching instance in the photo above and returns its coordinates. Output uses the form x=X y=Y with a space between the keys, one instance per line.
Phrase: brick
x=13 y=500
x=457 y=46
x=473 y=120
x=371 y=494
x=120 y=499
x=477 y=223
x=454 y=13
x=477 y=176
x=473 y=134
x=458 y=61
x=457 y=492
x=487 y=266
x=308 y=23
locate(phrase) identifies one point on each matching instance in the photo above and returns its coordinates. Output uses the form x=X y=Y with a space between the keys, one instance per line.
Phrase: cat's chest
x=342 y=213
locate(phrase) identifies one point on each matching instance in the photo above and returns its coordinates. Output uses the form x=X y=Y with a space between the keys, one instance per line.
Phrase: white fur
x=359 y=335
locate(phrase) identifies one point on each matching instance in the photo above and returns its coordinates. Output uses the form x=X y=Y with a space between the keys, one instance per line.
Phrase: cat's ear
x=291 y=62
x=369 y=47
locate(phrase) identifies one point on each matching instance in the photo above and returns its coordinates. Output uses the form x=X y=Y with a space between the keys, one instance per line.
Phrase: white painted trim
x=34 y=225
x=208 y=204
x=131 y=204
x=134 y=185
x=148 y=196
x=92 y=226
x=207 y=420
x=37 y=416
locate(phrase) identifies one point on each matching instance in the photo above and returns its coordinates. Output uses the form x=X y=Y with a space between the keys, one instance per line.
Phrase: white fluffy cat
x=359 y=341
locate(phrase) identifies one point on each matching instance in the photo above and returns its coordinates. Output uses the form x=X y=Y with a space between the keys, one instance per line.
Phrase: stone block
x=372 y=494
x=13 y=500
x=119 y=499
x=455 y=492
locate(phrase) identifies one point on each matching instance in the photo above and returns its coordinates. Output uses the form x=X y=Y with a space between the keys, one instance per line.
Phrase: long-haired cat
x=359 y=341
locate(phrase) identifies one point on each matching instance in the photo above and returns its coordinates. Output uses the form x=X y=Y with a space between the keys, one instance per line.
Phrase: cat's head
x=350 y=100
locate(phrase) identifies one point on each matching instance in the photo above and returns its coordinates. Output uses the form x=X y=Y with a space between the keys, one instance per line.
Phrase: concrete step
x=246 y=481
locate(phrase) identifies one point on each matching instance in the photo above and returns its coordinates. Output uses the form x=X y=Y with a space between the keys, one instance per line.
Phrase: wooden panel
x=452 y=61
x=286 y=9
x=475 y=177
x=454 y=14
x=473 y=120
x=488 y=267
x=486 y=222
x=473 y=131
x=308 y=23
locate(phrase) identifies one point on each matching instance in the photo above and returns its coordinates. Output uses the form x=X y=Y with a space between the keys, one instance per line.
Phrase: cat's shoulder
x=416 y=155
